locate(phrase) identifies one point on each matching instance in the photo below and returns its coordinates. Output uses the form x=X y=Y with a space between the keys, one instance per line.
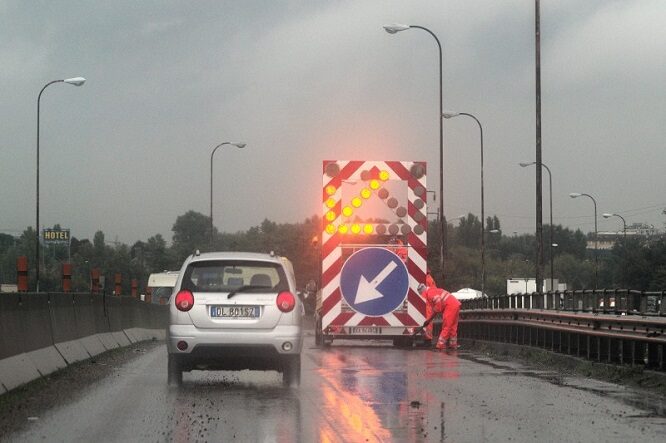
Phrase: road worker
x=430 y=283
x=443 y=301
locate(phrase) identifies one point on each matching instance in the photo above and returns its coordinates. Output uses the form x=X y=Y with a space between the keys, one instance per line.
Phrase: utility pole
x=539 y=220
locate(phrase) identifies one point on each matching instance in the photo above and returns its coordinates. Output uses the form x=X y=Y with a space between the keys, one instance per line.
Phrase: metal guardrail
x=607 y=301
x=611 y=326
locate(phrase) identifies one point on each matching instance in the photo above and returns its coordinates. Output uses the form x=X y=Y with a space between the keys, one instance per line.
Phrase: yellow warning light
x=355 y=228
x=330 y=229
x=366 y=193
x=342 y=229
x=330 y=190
x=374 y=184
x=368 y=229
x=330 y=216
x=347 y=211
x=330 y=203
x=356 y=202
x=383 y=175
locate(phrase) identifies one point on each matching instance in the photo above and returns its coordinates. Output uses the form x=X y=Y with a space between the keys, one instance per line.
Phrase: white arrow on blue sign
x=374 y=281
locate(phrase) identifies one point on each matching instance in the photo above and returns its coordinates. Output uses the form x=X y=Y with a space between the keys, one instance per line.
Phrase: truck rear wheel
x=403 y=342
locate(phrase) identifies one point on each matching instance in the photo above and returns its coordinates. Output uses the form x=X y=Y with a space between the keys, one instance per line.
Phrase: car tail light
x=285 y=301
x=184 y=300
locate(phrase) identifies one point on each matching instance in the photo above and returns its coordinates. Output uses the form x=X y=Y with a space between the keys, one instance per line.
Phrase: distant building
x=607 y=239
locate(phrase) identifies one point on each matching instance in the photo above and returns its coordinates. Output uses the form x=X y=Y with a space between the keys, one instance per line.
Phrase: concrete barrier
x=65 y=334
x=42 y=333
x=38 y=334
x=15 y=366
x=115 y=314
x=85 y=324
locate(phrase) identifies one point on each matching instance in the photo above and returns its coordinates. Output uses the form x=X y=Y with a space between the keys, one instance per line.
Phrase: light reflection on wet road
x=350 y=392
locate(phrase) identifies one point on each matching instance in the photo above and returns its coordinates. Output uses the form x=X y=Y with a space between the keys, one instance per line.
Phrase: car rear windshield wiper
x=244 y=288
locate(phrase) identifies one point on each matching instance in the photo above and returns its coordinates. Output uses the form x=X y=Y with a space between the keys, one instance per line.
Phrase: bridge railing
x=616 y=326
x=606 y=301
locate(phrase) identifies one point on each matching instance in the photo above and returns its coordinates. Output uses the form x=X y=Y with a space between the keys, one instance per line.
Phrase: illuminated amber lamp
x=383 y=175
x=330 y=216
x=374 y=184
x=342 y=229
x=330 y=203
x=330 y=190
x=356 y=228
x=368 y=229
x=330 y=229
x=347 y=211
x=366 y=193
x=356 y=202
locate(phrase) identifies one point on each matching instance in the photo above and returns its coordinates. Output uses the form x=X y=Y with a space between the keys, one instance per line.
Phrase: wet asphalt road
x=352 y=392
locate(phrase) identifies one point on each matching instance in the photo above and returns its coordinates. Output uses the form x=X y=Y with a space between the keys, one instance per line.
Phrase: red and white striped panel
x=334 y=173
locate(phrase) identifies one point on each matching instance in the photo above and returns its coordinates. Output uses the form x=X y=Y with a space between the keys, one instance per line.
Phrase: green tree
x=191 y=232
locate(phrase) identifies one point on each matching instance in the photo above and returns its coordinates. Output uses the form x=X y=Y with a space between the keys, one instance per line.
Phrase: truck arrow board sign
x=374 y=281
x=374 y=249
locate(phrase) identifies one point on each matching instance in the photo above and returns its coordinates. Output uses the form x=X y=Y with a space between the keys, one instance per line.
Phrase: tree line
x=635 y=264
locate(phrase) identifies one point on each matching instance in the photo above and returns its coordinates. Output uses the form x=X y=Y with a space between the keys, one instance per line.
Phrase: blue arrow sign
x=374 y=281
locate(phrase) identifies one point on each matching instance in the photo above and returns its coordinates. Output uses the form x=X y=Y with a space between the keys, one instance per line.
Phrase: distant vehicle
x=234 y=311
x=161 y=285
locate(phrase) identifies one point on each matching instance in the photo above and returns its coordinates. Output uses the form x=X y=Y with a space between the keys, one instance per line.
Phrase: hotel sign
x=55 y=235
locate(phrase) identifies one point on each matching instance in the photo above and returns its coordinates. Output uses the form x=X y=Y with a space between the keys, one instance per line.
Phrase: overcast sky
x=305 y=81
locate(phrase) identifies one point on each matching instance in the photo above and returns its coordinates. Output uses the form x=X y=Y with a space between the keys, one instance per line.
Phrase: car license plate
x=365 y=330
x=234 y=311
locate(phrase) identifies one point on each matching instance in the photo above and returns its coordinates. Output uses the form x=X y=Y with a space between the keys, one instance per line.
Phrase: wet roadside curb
x=626 y=375
x=30 y=401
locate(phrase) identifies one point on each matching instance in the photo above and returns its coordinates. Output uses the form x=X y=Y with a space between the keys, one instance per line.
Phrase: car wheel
x=291 y=372
x=174 y=371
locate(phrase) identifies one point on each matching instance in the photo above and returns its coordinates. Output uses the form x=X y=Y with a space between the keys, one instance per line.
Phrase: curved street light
x=395 y=28
x=76 y=81
x=448 y=115
x=550 y=187
x=239 y=146
x=624 y=223
x=624 y=241
x=596 y=242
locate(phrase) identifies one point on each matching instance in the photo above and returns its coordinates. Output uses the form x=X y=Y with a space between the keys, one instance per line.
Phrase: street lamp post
x=596 y=243
x=624 y=223
x=550 y=187
x=624 y=232
x=392 y=29
x=76 y=81
x=239 y=146
x=448 y=115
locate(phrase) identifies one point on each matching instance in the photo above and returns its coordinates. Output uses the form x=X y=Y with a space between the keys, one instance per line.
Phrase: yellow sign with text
x=56 y=235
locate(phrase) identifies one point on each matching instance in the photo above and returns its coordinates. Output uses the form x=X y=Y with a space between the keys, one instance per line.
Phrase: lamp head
x=395 y=27
x=450 y=114
x=607 y=215
x=526 y=164
x=239 y=145
x=76 y=81
x=575 y=194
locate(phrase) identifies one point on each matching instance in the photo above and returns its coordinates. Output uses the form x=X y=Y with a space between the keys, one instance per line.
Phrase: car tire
x=291 y=372
x=174 y=371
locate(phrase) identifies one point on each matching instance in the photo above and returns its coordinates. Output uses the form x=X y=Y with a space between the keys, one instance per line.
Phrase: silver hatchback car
x=233 y=311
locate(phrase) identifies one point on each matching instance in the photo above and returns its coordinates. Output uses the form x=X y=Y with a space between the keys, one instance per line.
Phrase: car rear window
x=229 y=275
